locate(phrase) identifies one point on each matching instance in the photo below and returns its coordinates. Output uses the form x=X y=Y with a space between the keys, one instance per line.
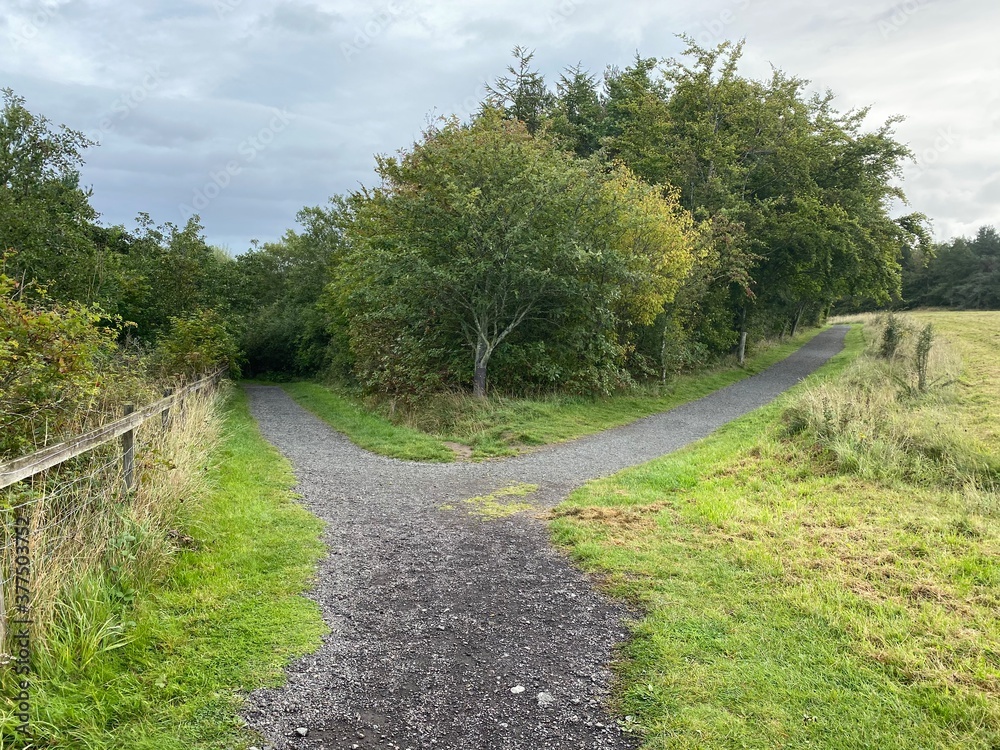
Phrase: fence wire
x=80 y=519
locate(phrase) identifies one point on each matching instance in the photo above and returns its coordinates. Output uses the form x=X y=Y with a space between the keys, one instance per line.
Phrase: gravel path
x=451 y=631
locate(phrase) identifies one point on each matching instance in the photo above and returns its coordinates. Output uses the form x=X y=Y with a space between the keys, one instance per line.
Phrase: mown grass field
x=798 y=595
x=501 y=426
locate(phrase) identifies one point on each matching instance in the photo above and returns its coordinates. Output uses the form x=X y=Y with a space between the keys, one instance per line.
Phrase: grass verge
x=370 y=431
x=793 y=600
x=225 y=619
x=503 y=426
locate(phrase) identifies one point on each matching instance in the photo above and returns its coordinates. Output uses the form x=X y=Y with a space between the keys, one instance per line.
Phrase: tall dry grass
x=877 y=422
x=94 y=544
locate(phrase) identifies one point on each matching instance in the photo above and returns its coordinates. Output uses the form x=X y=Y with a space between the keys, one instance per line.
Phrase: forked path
x=436 y=614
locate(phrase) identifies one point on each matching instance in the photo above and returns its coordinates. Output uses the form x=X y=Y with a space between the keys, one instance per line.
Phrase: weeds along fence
x=78 y=507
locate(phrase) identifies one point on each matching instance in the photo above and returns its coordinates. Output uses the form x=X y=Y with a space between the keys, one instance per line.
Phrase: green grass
x=368 y=430
x=792 y=603
x=496 y=504
x=502 y=426
x=227 y=619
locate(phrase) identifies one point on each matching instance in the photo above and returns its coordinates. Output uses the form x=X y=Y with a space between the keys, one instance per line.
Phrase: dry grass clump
x=890 y=417
x=94 y=544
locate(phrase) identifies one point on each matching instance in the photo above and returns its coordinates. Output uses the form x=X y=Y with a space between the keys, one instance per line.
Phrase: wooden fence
x=124 y=429
x=35 y=463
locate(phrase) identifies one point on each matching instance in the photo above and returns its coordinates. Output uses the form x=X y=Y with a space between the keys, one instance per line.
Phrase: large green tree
x=45 y=216
x=812 y=188
x=484 y=233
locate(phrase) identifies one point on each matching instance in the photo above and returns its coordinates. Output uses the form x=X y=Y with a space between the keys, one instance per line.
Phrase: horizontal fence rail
x=116 y=467
x=26 y=467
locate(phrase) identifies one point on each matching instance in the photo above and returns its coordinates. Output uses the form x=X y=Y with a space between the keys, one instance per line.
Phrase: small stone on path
x=517 y=689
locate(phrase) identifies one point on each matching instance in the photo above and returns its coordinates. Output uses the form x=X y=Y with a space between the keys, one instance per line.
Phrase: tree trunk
x=743 y=336
x=799 y=310
x=663 y=355
x=483 y=352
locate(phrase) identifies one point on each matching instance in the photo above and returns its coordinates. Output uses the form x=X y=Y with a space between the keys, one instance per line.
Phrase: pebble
x=517 y=689
x=302 y=732
x=545 y=699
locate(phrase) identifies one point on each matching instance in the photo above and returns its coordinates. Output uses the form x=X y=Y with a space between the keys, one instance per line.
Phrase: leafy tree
x=810 y=187
x=168 y=271
x=637 y=121
x=577 y=113
x=44 y=214
x=49 y=365
x=522 y=95
x=484 y=233
x=196 y=344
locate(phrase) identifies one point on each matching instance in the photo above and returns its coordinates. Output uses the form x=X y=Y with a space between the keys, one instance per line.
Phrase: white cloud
x=225 y=65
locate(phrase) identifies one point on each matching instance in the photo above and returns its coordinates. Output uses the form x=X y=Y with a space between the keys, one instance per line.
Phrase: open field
x=797 y=596
x=500 y=426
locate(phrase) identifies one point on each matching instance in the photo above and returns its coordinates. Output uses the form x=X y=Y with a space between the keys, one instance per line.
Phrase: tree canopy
x=574 y=235
x=486 y=235
x=963 y=273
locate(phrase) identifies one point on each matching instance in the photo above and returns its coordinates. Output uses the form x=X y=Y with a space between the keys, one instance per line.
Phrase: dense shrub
x=197 y=344
x=51 y=360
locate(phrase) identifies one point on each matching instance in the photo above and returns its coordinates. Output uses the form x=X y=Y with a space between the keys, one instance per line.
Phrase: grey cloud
x=989 y=194
x=301 y=18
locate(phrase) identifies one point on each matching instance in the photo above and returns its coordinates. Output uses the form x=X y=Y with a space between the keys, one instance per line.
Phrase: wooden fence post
x=3 y=619
x=180 y=402
x=128 y=452
x=165 y=414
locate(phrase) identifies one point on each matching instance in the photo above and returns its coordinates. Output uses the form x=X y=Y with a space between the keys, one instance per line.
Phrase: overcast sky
x=247 y=110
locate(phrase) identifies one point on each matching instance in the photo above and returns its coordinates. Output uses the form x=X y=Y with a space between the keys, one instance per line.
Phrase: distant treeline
x=962 y=274
x=580 y=235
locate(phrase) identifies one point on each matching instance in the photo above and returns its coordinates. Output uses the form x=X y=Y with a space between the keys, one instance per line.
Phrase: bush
x=197 y=344
x=921 y=356
x=894 y=330
x=51 y=360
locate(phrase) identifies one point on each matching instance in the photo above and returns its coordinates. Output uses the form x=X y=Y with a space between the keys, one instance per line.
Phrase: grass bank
x=503 y=426
x=796 y=597
x=366 y=429
x=223 y=618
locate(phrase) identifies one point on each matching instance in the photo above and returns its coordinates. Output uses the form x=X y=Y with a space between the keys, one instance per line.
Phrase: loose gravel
x=449 y=630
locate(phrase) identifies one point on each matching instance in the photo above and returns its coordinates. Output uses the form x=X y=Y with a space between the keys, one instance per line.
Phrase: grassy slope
x=228 y=620
x=367 y=430
x=503 y=426
x=789 y=605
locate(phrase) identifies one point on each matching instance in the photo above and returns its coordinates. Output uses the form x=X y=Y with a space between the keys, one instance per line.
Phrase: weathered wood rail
x=28 y=466
x=35 y=463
